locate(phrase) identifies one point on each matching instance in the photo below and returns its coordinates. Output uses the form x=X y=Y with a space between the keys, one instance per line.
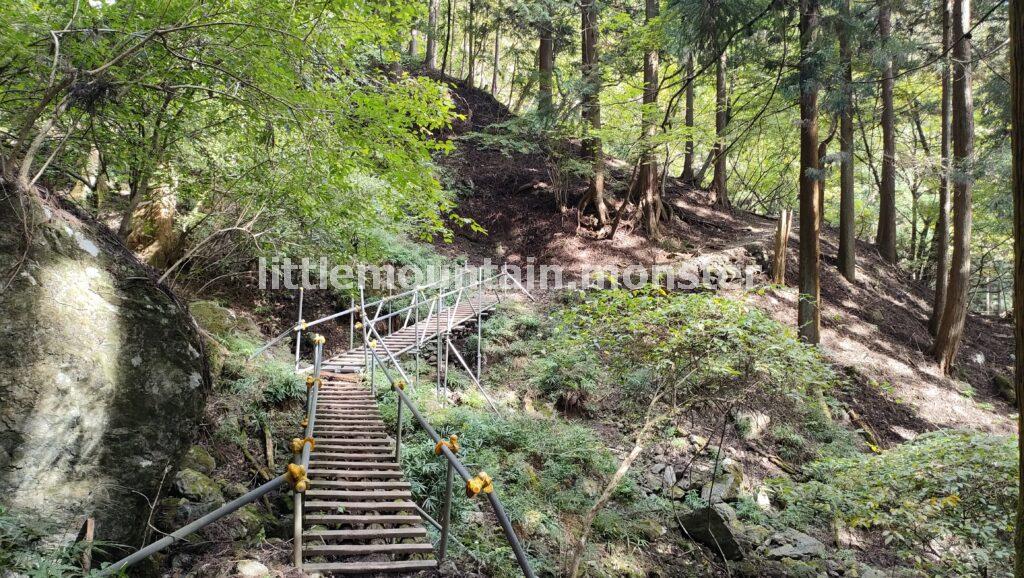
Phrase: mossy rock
x=220 y=320
x=197 y=487
x=200 y=460
x=1004 y=385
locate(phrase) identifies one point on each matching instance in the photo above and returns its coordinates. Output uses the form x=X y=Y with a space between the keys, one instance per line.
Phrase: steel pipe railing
x=454 y=462
x=244 y=500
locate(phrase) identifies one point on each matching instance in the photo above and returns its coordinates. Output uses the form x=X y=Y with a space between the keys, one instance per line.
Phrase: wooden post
x=781 y=242
x=86 y=536
x=297 y=532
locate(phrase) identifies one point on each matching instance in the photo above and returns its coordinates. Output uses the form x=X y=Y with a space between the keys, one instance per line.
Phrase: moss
x=197 y=458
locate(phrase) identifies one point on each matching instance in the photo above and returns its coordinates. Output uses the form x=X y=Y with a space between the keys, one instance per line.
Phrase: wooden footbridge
x=354 y=510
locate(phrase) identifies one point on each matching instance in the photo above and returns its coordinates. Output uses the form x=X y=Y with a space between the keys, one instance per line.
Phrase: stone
x=793 y=544
x=220 y=320
x=726 y=486
x=244 y=524
x=714 y=526
x=234 y=490
x=669 y=476
x=751 y=424
x=658 y=468
x=251 y=569
x=1004 y=385
x=102 y=375
x=651 y=529
x=197 y=487
x=763 y=501
x=200 y=460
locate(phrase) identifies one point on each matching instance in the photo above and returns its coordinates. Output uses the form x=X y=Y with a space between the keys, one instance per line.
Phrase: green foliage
x=630 y=342
x=24 y=549
x=944 y=502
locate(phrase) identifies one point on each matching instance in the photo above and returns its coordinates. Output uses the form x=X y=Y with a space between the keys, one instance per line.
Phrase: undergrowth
x=944 y=503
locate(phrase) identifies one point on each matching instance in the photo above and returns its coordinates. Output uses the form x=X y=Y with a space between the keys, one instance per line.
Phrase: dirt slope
x=876 y=328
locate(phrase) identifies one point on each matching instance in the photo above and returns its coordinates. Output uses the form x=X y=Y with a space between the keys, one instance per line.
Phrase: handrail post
x=351 y=323
x=398 y=434
x=298 y=335
x=446 y=512
x=311 y=396
x=479 y=323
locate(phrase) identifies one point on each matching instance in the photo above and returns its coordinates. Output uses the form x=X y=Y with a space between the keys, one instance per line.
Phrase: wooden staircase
x=358 y=513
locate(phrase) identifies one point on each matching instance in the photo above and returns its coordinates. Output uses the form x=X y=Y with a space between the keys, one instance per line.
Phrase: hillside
x=875 y=329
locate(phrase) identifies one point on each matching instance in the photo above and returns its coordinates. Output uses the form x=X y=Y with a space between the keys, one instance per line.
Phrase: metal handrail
x=233 y=505
x=453 y=460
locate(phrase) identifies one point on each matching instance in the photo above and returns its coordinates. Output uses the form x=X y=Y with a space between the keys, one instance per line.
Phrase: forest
x=645 y=288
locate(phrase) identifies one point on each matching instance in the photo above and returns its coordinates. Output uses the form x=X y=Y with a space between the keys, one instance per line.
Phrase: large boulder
x=102 y=374
x=715 y=526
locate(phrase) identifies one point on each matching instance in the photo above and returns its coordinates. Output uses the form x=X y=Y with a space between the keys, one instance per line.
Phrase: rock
x=199 y=459
x=763 y=501
x=658 y=468
x=651 y=529
x=1004 y=385
x=220 y=320
x=669 y=476
x=751 y=424
x=875 y=316
x=794 y=544
x=697 y=440
x=197 y=487
x=102 y=374
x=234 y=490
x=251 y=569
x=244 y=524
x=725 y=487
x=714 y=527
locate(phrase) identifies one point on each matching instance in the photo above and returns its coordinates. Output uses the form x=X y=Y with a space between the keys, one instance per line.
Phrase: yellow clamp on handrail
x=319 y=339
x=311 y=381
x=480 y=483
x=304 y=422
x=400 y=384
x=451 y=443
x=296 y=476
x=359 y=325
x=302 y=325
x=299 y=443
x=373 y=344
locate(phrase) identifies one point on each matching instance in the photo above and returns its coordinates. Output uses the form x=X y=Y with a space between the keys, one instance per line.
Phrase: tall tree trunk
x=718 y=183
x=951 y=326
x=808 y=310
x=648 y=175
x=687 y=175
x=546 y=69
x=1017 y=101
x=941 y=240
x=431 y=59
x=471 y=44
x=592 y=107
x=446 y=57
x=886 y=237
x=494 y=62
x=847 y=205
x=414 y=45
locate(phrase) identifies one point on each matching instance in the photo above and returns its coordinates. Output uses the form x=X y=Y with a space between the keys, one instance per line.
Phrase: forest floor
x=876 y=329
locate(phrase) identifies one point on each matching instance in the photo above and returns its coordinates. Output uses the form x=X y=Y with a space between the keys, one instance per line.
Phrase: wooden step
x=330 y=467
x=365 y=549
x=354 y=473
x=377 y=567
x=383 y=533
x=381 y=484
x=361 y=519
x=359 y=494
x=352 y=456
x=360 y=506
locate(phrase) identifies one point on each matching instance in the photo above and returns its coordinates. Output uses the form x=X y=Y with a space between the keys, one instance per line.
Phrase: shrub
x=944 y=502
